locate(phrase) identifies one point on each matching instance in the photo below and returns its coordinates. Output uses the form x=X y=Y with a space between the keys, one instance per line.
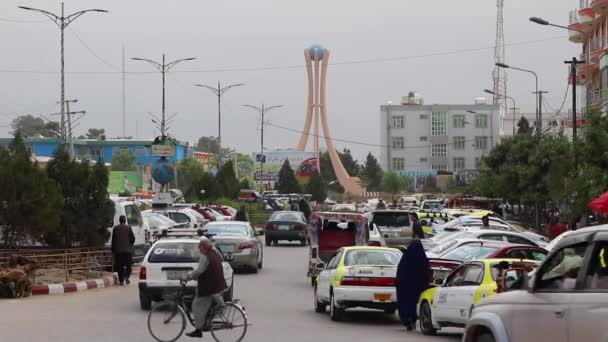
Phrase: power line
x=300 y=66
x=345 y=141
x=93 y=52
x=22 y=21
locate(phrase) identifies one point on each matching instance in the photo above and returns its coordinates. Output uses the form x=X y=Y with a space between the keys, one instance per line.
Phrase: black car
x=286 y=226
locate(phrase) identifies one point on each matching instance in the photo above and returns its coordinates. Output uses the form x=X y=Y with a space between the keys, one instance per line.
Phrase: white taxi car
x=167 y=261
x=362 y=276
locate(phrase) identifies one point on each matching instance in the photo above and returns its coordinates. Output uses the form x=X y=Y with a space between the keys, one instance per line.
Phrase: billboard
x=303 y=164
x=124 y=182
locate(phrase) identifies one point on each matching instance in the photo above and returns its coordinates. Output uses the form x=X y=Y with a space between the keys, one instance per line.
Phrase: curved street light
x=506 y=97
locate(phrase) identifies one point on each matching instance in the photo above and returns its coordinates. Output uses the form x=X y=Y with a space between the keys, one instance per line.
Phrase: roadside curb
x=54 y=289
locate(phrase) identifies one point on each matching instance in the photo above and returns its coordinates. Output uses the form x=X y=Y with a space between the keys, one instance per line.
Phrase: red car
x=526 y=252
x=222 y=210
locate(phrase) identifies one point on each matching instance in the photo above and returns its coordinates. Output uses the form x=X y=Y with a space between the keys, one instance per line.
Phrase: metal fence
x=67 y=261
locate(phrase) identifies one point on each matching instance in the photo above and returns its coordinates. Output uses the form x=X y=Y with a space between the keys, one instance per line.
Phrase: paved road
x=278 y=302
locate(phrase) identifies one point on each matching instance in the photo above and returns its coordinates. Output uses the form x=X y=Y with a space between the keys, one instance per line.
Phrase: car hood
x=510 y=297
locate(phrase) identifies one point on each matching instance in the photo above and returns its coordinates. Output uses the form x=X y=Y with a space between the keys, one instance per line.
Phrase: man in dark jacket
x=122 y=245
x=417 y=232
x=210 y=284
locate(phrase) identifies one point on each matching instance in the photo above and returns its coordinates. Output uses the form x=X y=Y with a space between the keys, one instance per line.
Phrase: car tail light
x=299 y=227
x=368 y=281
x=313 y=253
x=143 y=275
x=245 y=245
x=269 y=226
x=374 y=243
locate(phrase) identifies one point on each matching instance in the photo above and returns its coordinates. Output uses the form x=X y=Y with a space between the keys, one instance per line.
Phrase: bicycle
x=172 y=314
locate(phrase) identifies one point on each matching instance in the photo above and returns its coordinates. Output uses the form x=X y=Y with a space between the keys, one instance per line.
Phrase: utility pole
x=124 y=95
x=68 y=130
x=219 y=91
x=163 y=68
x=539 y=113
x=573 y=64
x=262 y=110
x=62 y=22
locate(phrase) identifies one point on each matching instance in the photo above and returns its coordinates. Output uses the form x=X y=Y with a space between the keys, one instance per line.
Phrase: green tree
x=317 y=188
x=327 y=170
x=245 y=165
x=350 y=164
x=244 y=184
x=124 y=161
x=371 y=173
x=29 y=202
x=87 y=210
x=393 y=183
x=189 y=171
x=209 y=184
x=95 y=133
x=226 y=180
x=31 y=126
x=523 y=126
x=287 y=182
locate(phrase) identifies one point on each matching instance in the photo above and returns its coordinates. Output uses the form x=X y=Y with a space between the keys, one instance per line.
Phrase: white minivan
x=130 y=209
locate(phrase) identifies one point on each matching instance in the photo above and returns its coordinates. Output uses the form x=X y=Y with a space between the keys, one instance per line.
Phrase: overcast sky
x=262 y=34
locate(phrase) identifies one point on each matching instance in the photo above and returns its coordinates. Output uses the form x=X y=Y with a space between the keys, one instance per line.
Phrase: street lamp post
x=573 y=63
x=163 y=68
x=219 y=91
x=262 y=110
x=506 y=97
x=538 y=118
x=62 y=22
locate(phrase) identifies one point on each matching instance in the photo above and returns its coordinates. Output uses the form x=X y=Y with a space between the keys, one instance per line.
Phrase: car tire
x=335 y=312
x=268 y=242
x=485 y=337
x=145 y=302
x=228 y=295
x=261 y=262
x=426 y=320
x=276 y=243
x=390 y=311
x=319 y=306
x=313 y=281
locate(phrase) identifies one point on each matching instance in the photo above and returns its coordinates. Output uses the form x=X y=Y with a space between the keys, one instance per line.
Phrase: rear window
x=388 y=219
x=234 y=230
x=372 y=257
x=286 y=216
x=470 y=252
x=179 y=217
x=175 y=252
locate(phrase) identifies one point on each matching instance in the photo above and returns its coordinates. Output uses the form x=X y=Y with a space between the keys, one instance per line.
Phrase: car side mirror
x=320 y=266
x=438 y=282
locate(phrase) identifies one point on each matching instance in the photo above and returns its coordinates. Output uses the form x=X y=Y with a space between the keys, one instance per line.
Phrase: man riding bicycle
x=211 y=283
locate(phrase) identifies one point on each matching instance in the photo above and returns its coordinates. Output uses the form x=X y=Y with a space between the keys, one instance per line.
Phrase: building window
x=424 y=160
x=459 y=143
x=117 y=149
x=458 y=164
x=424 y=138
x=398 y=121
x=398 y=164
x=481 y=143
x=481 y=121
x=398 y=143
x=439 y=150
x=424 y=116
x=439 y=167
x=142 y=151
x=458 y=121
x=439 y=124
x=95 y=151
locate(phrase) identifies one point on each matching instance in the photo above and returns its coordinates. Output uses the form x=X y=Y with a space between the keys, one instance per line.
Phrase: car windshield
x=470 y=252
x=287 y=216
x=174 y=252
x=155 y=220
x=359 y=257
x=215 y=212
x=443 y=246
x=225 y=229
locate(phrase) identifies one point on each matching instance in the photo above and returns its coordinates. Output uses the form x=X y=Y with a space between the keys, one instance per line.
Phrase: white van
x=130 y=209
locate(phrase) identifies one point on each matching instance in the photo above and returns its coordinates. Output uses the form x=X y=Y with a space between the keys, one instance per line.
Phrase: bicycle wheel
x=228 y=323
x=166 y=322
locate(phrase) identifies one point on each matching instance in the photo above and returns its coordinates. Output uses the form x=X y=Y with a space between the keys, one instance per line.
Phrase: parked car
x=167 y=261
x=186 y=216
x=286 y=226
x=375 y=237
x=564 y=301
x=241 y=241
x=130 y=209
x=346 y=207
x=476 y=233
x=468 y=249
x=449 y=304
x=224 y=210
x=394 y=225
x=523 y=252
x=158 y=222
x=358 y=277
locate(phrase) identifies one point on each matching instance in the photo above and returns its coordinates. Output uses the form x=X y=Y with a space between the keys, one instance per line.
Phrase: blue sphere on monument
x=318 y=47
x=163 y=171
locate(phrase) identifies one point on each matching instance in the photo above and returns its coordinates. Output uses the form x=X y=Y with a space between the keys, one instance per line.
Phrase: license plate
x=283 y=227
x=176 y=274
x=382 y=297
x=226 y=248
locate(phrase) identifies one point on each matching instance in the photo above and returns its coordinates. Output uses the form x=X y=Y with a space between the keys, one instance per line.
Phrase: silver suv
x=565 y=301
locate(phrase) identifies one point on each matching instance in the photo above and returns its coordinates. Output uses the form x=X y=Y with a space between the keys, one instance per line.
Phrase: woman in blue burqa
x=412 y=279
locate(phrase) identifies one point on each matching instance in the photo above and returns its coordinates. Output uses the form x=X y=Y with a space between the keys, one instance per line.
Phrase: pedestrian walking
x=413 y=275
x=485 y=221
x=294 y=206
x=381 y=204
x=417 y=232
x=122 y=248
x=241 y=214
x=305 y=209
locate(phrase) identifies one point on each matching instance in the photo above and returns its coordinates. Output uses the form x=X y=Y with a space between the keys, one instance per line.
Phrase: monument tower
x=317 y=61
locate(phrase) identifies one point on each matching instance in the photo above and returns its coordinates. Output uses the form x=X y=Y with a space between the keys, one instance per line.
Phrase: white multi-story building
x=418 y=138
x=551 y=123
